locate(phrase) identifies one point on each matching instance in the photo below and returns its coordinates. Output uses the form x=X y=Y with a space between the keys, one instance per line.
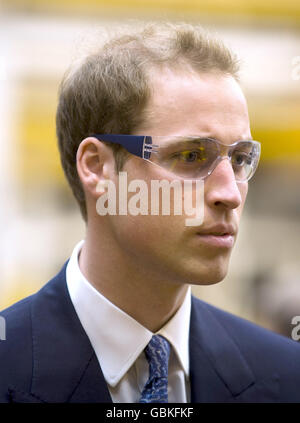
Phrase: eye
x=191 y=156
x=241 y=158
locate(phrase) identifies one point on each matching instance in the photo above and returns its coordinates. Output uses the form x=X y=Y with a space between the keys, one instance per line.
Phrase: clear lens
x=193 y=158
x=243 y=159
x=187 y=158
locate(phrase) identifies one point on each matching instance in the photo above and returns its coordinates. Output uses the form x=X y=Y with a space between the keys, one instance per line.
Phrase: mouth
x=219 y=241
x=220 y=236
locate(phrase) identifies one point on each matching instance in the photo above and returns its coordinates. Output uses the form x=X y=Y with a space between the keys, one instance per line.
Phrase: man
x=118 y=322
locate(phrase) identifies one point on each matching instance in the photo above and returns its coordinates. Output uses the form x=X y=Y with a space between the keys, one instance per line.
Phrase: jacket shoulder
x=245 y=332
x=16 y=349
x=266 y=352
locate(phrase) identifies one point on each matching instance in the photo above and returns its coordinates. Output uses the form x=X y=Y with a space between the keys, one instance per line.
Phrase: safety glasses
x=190 y=157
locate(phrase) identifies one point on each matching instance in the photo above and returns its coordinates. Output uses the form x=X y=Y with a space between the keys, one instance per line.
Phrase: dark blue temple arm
x=134 y=144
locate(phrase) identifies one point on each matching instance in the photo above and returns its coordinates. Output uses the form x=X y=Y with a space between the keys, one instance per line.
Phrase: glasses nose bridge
x=224 y=151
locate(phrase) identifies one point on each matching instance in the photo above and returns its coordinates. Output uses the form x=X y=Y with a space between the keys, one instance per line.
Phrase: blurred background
x=39 y=219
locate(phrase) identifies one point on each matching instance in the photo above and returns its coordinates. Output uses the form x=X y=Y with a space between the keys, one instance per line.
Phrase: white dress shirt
x=118 y=340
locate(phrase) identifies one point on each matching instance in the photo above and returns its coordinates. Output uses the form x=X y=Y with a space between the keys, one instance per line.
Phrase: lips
x=219 y=230
x=218 y=236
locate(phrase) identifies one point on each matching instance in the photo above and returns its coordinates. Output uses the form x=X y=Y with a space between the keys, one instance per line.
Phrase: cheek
x=171 y=204
x=243 y=188
x=150 y=242
x=148 y=234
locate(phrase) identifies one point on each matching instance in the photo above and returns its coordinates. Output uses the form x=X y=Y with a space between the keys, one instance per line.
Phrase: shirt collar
x=116 y=337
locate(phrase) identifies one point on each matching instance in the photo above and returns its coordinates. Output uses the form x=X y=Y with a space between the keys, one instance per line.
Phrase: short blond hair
x=109 y=91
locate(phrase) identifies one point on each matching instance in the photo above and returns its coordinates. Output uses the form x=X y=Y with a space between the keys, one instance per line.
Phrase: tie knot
x=158 y=353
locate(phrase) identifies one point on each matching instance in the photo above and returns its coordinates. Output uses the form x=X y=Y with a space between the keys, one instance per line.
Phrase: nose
x=221 y=188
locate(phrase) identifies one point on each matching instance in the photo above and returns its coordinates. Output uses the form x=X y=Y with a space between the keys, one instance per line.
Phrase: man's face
x=188 y=104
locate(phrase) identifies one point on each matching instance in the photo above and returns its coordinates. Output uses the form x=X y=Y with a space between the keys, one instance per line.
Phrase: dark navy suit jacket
x=47 y=356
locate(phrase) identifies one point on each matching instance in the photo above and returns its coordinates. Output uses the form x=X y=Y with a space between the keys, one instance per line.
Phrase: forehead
x=196 y=104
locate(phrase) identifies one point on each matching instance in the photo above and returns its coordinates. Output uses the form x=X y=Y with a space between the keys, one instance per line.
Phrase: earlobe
x=101 y=186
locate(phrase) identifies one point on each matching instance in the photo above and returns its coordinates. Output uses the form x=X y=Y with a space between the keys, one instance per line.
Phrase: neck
x=147 y=297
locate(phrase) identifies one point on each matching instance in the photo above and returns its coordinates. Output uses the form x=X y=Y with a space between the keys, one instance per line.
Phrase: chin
x=209 y=277
x=207 y=281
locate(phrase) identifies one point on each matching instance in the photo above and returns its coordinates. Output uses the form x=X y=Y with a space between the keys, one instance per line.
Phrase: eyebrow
x=190 y=142
x=197 y=141
x=250 y=138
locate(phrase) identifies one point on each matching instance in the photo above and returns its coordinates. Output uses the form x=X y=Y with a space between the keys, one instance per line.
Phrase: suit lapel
x=219 y=372
x=65 y=367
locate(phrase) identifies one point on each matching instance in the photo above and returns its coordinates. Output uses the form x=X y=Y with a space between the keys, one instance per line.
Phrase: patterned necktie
x=157 y=353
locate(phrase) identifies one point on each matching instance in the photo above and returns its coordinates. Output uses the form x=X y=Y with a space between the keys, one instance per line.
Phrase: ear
x=95 y=164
